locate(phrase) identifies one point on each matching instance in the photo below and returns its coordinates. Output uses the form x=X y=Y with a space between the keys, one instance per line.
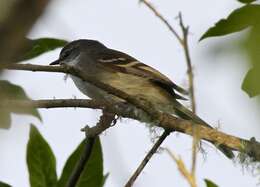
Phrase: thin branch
x=195 y=141
x=164 y=120
x=34 y=68
x=153 y=9
x=147 y=158
x=182 y=168
x=55 y=103
x=185 y=32
x=120 y=108
x=91 y=135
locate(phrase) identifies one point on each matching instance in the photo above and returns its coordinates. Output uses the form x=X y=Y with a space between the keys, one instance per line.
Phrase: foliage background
x=132 y=28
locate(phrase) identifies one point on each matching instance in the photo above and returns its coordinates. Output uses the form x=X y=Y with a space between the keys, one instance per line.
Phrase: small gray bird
x=126 y=73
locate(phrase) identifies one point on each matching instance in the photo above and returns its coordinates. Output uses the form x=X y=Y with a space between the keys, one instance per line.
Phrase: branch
x=120 y=108
x=195 y=141
x=147 y=158
x=164 y=120
x=55 y=103
x=182 y=168
x=185 y=32
x=157 y=14
x=91 y=134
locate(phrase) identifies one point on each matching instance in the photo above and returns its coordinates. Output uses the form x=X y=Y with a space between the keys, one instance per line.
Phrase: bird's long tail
x=185 y=113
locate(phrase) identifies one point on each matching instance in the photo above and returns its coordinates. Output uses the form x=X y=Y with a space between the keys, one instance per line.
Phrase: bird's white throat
x=72 y=62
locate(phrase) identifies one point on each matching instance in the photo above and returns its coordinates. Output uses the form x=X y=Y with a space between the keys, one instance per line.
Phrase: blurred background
x=130 y=27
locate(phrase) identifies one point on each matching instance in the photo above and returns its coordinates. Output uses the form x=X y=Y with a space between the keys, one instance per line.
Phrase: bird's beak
x=56 y=62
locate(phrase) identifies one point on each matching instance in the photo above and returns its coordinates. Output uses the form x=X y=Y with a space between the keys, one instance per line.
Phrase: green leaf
x=39 y=46
x=92 y=175
x=105 y=179
x=5 y=119
x=209 y=183
x=40 y=161
x=251 y=46
x=251 y=82
x=246 y=1
x=238 y=20
x=2 y=184
x=9 y=91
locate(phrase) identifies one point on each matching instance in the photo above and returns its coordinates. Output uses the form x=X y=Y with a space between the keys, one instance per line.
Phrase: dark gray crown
x=81 y=45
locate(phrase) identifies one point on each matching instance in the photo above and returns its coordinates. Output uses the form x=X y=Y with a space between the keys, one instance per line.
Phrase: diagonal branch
x=182 y=168
x=157 y=14
x=164 y=120
x=147 y=158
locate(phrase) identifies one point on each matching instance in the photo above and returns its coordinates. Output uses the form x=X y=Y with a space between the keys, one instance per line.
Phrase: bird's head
x=72 y=51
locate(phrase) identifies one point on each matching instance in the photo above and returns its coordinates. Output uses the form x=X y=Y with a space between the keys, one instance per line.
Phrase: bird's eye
x=65 y=54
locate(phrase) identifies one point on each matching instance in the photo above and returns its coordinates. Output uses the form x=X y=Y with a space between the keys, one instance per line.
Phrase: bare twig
x=182 y=168
x=153 y=9
x=91 y=134
x=195 y=141
x=163 y=120
x=185 y=32
x=33 y=67
x=147 y=158
x=55 y=103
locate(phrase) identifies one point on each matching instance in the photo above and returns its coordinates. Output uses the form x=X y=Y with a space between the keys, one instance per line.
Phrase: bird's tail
x=185 y=113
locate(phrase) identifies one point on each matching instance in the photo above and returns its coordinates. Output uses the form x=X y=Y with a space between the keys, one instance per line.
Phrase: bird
x=126 y=73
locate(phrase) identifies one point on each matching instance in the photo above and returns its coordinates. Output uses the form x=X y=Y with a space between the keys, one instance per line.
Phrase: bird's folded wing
x=126 y=64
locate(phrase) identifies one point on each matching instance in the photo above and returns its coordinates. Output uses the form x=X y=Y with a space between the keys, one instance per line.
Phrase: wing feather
x=124 y=63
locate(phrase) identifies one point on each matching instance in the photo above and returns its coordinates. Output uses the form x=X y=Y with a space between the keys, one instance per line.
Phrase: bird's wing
x=127 y=64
